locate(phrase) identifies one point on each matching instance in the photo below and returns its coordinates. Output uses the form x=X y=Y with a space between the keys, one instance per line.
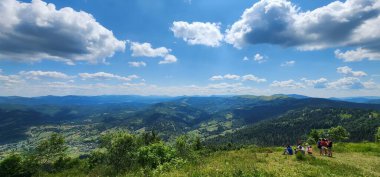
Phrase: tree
x=121 y=150
x=155 y=154
x=51 y=149
x=338 y=133
x=377 y=135
x=315 y=135
x=11 y=166
x=197 y=144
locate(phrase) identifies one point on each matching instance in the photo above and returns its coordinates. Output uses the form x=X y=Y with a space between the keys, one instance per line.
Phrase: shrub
x=338 y=133
x=11 y=166
x=51 y=149
x=300 y=156
x=377 y=135
x=155 y=154
x=122 y=151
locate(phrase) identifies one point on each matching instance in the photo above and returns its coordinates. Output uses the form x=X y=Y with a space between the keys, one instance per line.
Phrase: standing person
x=324 y=146
x=329 y=147
x=319 y=145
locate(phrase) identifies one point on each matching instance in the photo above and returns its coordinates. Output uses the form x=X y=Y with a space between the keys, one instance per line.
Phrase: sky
x=190 y=47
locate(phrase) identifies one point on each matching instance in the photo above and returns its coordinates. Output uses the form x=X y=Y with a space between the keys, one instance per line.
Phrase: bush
x=300 y=156
x=11 y=166
x=122 y=151
x=155 y=154
x=338 y=133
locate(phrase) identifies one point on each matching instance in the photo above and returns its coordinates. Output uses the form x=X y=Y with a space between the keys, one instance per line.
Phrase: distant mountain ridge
x=170 y=116
x=83 y=100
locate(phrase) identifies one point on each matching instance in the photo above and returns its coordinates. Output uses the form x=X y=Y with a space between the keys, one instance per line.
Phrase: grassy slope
x=249 y=162
x=350 y=160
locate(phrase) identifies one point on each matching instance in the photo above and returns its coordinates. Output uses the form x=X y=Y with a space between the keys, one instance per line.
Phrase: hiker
x=309 y=150
x=324 y=146
x=319 y=145
x=329 y=147
x=300 y=148
x=288 y=150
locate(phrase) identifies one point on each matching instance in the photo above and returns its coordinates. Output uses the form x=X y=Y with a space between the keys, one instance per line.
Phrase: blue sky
x=190 y=47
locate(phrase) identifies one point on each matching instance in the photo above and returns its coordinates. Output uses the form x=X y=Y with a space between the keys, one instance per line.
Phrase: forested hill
x=293 y=126
x=170 y=116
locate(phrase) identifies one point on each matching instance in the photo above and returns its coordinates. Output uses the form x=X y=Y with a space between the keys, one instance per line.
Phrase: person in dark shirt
x=319 y=145
x=329 y=147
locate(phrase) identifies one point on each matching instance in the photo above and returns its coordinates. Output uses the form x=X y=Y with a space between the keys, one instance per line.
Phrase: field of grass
x=358 y=160
x=350 y=160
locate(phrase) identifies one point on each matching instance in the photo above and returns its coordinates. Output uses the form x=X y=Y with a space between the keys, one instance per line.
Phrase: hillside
x=294 y=125
x=217 y=119
x=269 y=162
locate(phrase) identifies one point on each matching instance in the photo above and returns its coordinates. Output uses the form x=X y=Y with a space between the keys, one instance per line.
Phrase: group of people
x=289 y=151
x=324 y=145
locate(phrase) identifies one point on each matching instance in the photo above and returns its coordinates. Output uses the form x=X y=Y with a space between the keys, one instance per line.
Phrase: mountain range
x=242 y=119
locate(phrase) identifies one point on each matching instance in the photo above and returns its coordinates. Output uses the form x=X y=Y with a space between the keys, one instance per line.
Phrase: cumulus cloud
x=106 y=76
x=288 y=63
x=227 y=76
x=251 y=77
x=257 y=58
x=347 y=83
x=9 y=80
x=248 y=77
x=37 y=30
x=137 y=64
x=168 y=59
x=217 y=78
x=224 y=85
x=198 y=33
x=44 y=74
x=231 y=77
x=280 y=22
x=287 y=84
x=349 y=72
x=357 y=55
x=318 y=83
x=146 y=50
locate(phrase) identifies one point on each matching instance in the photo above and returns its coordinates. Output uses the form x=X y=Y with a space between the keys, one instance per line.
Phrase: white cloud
x=259 y=58
x=248 y=77
x=10 y=80
x=105 y=76
x=288 y=63
x=137 y=64
x=319 y=83
x=231 y=77
x=224 y=85
x=346 y=83
x=227 y=76
x=37 y=30
x=44 y=74
x=251 y=77
x=146 y=50
x=357 y=55
x=349 y=72
x=168 y=59
x=198 y=33
x=217 y=78
x=287 y=84
x=280 y=22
